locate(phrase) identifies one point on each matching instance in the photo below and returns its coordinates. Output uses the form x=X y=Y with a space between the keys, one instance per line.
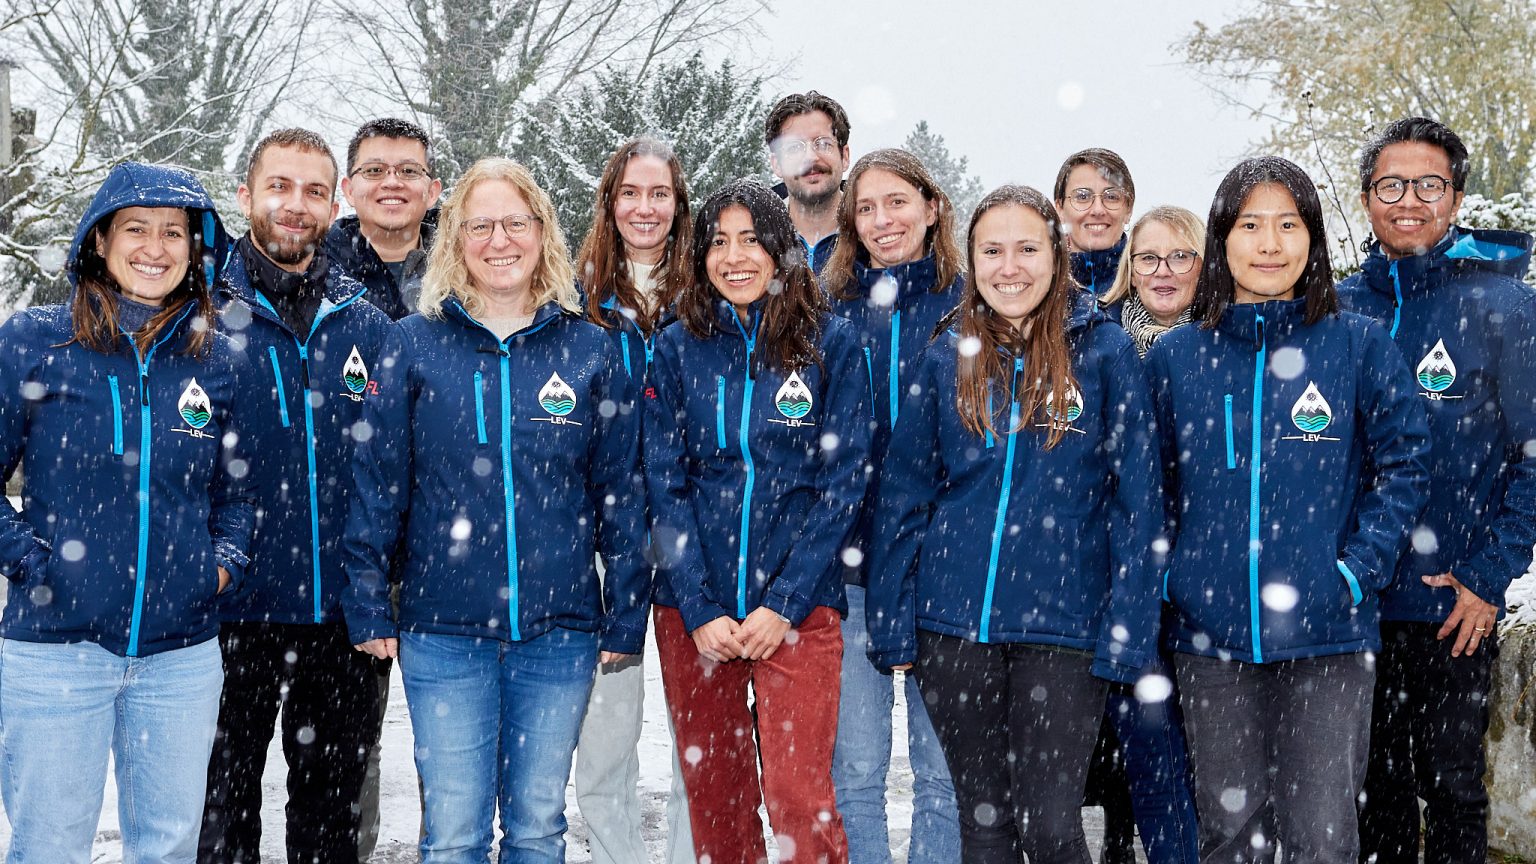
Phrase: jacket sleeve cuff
x=1110 y=670
x=792 y=605
x=697 y=612
x=369 y=629
x=28 y=571
x=887 y=660
x=621 y=640
x=1475 y=578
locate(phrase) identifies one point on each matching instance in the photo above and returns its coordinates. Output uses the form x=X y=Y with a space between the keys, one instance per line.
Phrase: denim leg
x=1226 y=705
x=545 y=683
x=57 y=712
x=861 y=757
x=166 y=719
x=679 y=829
x=1157 y=766
x=452 y=688
x=935 y=820
x=608 y=765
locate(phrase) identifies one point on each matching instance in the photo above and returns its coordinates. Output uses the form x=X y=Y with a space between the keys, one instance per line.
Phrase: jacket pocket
x=480 y=408
x=282 y=393
x=720 y=411
x=1231 y=449
x=117 y=416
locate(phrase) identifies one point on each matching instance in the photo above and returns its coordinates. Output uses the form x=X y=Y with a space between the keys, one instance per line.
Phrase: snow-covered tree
x=470 y=71
x=952 y=173
x=711 y=115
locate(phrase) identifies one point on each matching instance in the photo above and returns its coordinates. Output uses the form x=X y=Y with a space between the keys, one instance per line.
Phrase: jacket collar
x=1092 y=268
x=1240 y=321
x=339 y=287
x=1504 y=252
x=912 y=279
x=454 y=310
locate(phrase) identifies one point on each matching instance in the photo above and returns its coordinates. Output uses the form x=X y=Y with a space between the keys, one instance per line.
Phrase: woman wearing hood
x=135 y=517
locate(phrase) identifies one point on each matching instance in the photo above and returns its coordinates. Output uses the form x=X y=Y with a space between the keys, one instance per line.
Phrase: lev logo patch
x=1312 y=415
x=557 y=398
x=354 y=374
x=1064 y=412
x=195 y=409
x=1436 y=373
x=793 y=401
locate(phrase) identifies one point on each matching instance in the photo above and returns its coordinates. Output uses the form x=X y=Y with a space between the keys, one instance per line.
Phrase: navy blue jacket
x=1467 y=325
x=892 y=333
x=995 y=539
x=135 y=477
x=1295 y=456
x=1095 y=271
x=347 y=248
x=306 y=396
x=754 y=475
x=469 y=434
x=817 y=255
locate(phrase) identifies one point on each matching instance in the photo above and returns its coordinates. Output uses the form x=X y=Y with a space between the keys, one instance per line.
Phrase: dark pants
x=1278 y=752
x=1427 y=727
x=1017 y=724
x=328 y=695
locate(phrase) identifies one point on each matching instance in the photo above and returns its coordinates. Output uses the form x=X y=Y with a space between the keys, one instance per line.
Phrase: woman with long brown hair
x=896 y=270
x=1027 y=431
x=119 y=406
x=755 y=448
x=636 y=260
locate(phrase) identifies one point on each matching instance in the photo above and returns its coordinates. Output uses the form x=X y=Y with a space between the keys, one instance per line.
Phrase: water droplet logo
x=1073 y=403
x=194 y=406
x=1311 y=413
x=1436 y=372
x=354 y=373
x=557 y=397
x=794 y=398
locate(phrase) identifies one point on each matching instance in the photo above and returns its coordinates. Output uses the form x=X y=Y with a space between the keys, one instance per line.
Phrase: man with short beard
x=807 y=136
x=312 y=344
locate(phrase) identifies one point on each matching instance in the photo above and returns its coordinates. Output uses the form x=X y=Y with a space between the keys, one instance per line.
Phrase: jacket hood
x=1507 y=253
x=134 y=184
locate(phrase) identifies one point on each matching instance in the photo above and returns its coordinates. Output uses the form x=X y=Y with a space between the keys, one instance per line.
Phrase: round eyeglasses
x=1179 y=261
x=1429 y=188
x=1082 y=199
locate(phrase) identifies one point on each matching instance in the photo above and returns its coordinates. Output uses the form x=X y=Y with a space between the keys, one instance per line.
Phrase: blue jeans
x=1157 y=768
x=863 y=756
x=495 y=725
x=64 y=708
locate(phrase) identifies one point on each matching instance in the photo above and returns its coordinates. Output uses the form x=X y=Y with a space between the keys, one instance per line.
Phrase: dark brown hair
x=302 y=140
x=1047 y=357
x=796 y=104
x=792 y=311
x=601 y=265
x=1217 y=287
x=939 y=241
x=1111 y=167
x=94 y=311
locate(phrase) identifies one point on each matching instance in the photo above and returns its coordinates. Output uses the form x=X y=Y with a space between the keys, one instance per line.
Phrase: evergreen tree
x=965 y=190
x=712 y=117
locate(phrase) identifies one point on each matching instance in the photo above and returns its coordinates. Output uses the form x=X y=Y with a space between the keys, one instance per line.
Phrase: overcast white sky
x=1017 y=86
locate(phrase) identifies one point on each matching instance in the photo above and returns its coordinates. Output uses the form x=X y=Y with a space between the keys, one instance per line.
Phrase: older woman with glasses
x=501 y=457
x=1155 y=284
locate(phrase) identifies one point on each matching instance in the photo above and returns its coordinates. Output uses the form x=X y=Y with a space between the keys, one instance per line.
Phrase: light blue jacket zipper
x=742 y=552
x=1397 y=300
x=1255 y=612
x=117 y=416
x=508 y=490
x=309 y=433
x=144 y=459
x=895 y=376
x=1002 y=504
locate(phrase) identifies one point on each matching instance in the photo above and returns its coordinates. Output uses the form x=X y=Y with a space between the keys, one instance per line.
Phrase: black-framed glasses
x=794 y=147
x=1179 y=261
x=1081 y=199
x=1429 y=188
x=515 y=224
x=408 y=172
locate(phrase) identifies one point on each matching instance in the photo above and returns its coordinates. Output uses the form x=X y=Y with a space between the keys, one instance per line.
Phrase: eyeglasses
x=516 y=225
x=1179 y=261
x=793 y=147
x=408 y=172
x=1082 y=199
x=1429 y=188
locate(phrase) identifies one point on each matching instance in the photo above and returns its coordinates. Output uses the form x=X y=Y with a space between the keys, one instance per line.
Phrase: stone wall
x=1511 y=743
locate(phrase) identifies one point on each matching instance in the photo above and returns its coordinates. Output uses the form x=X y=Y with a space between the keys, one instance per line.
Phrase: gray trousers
x=608 y=772
x=1278 y=752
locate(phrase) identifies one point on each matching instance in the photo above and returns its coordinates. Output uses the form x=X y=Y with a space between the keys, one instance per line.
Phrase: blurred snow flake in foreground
x=1280 y=598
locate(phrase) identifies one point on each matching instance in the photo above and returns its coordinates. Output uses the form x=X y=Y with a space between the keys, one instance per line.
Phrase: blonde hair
x=447 y=277
x=1184 y=223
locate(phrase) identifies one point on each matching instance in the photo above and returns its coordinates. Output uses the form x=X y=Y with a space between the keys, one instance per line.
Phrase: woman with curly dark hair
x=755 y=440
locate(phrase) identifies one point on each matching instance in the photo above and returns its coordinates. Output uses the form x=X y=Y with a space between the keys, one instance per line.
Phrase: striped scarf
x=1143 y=328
